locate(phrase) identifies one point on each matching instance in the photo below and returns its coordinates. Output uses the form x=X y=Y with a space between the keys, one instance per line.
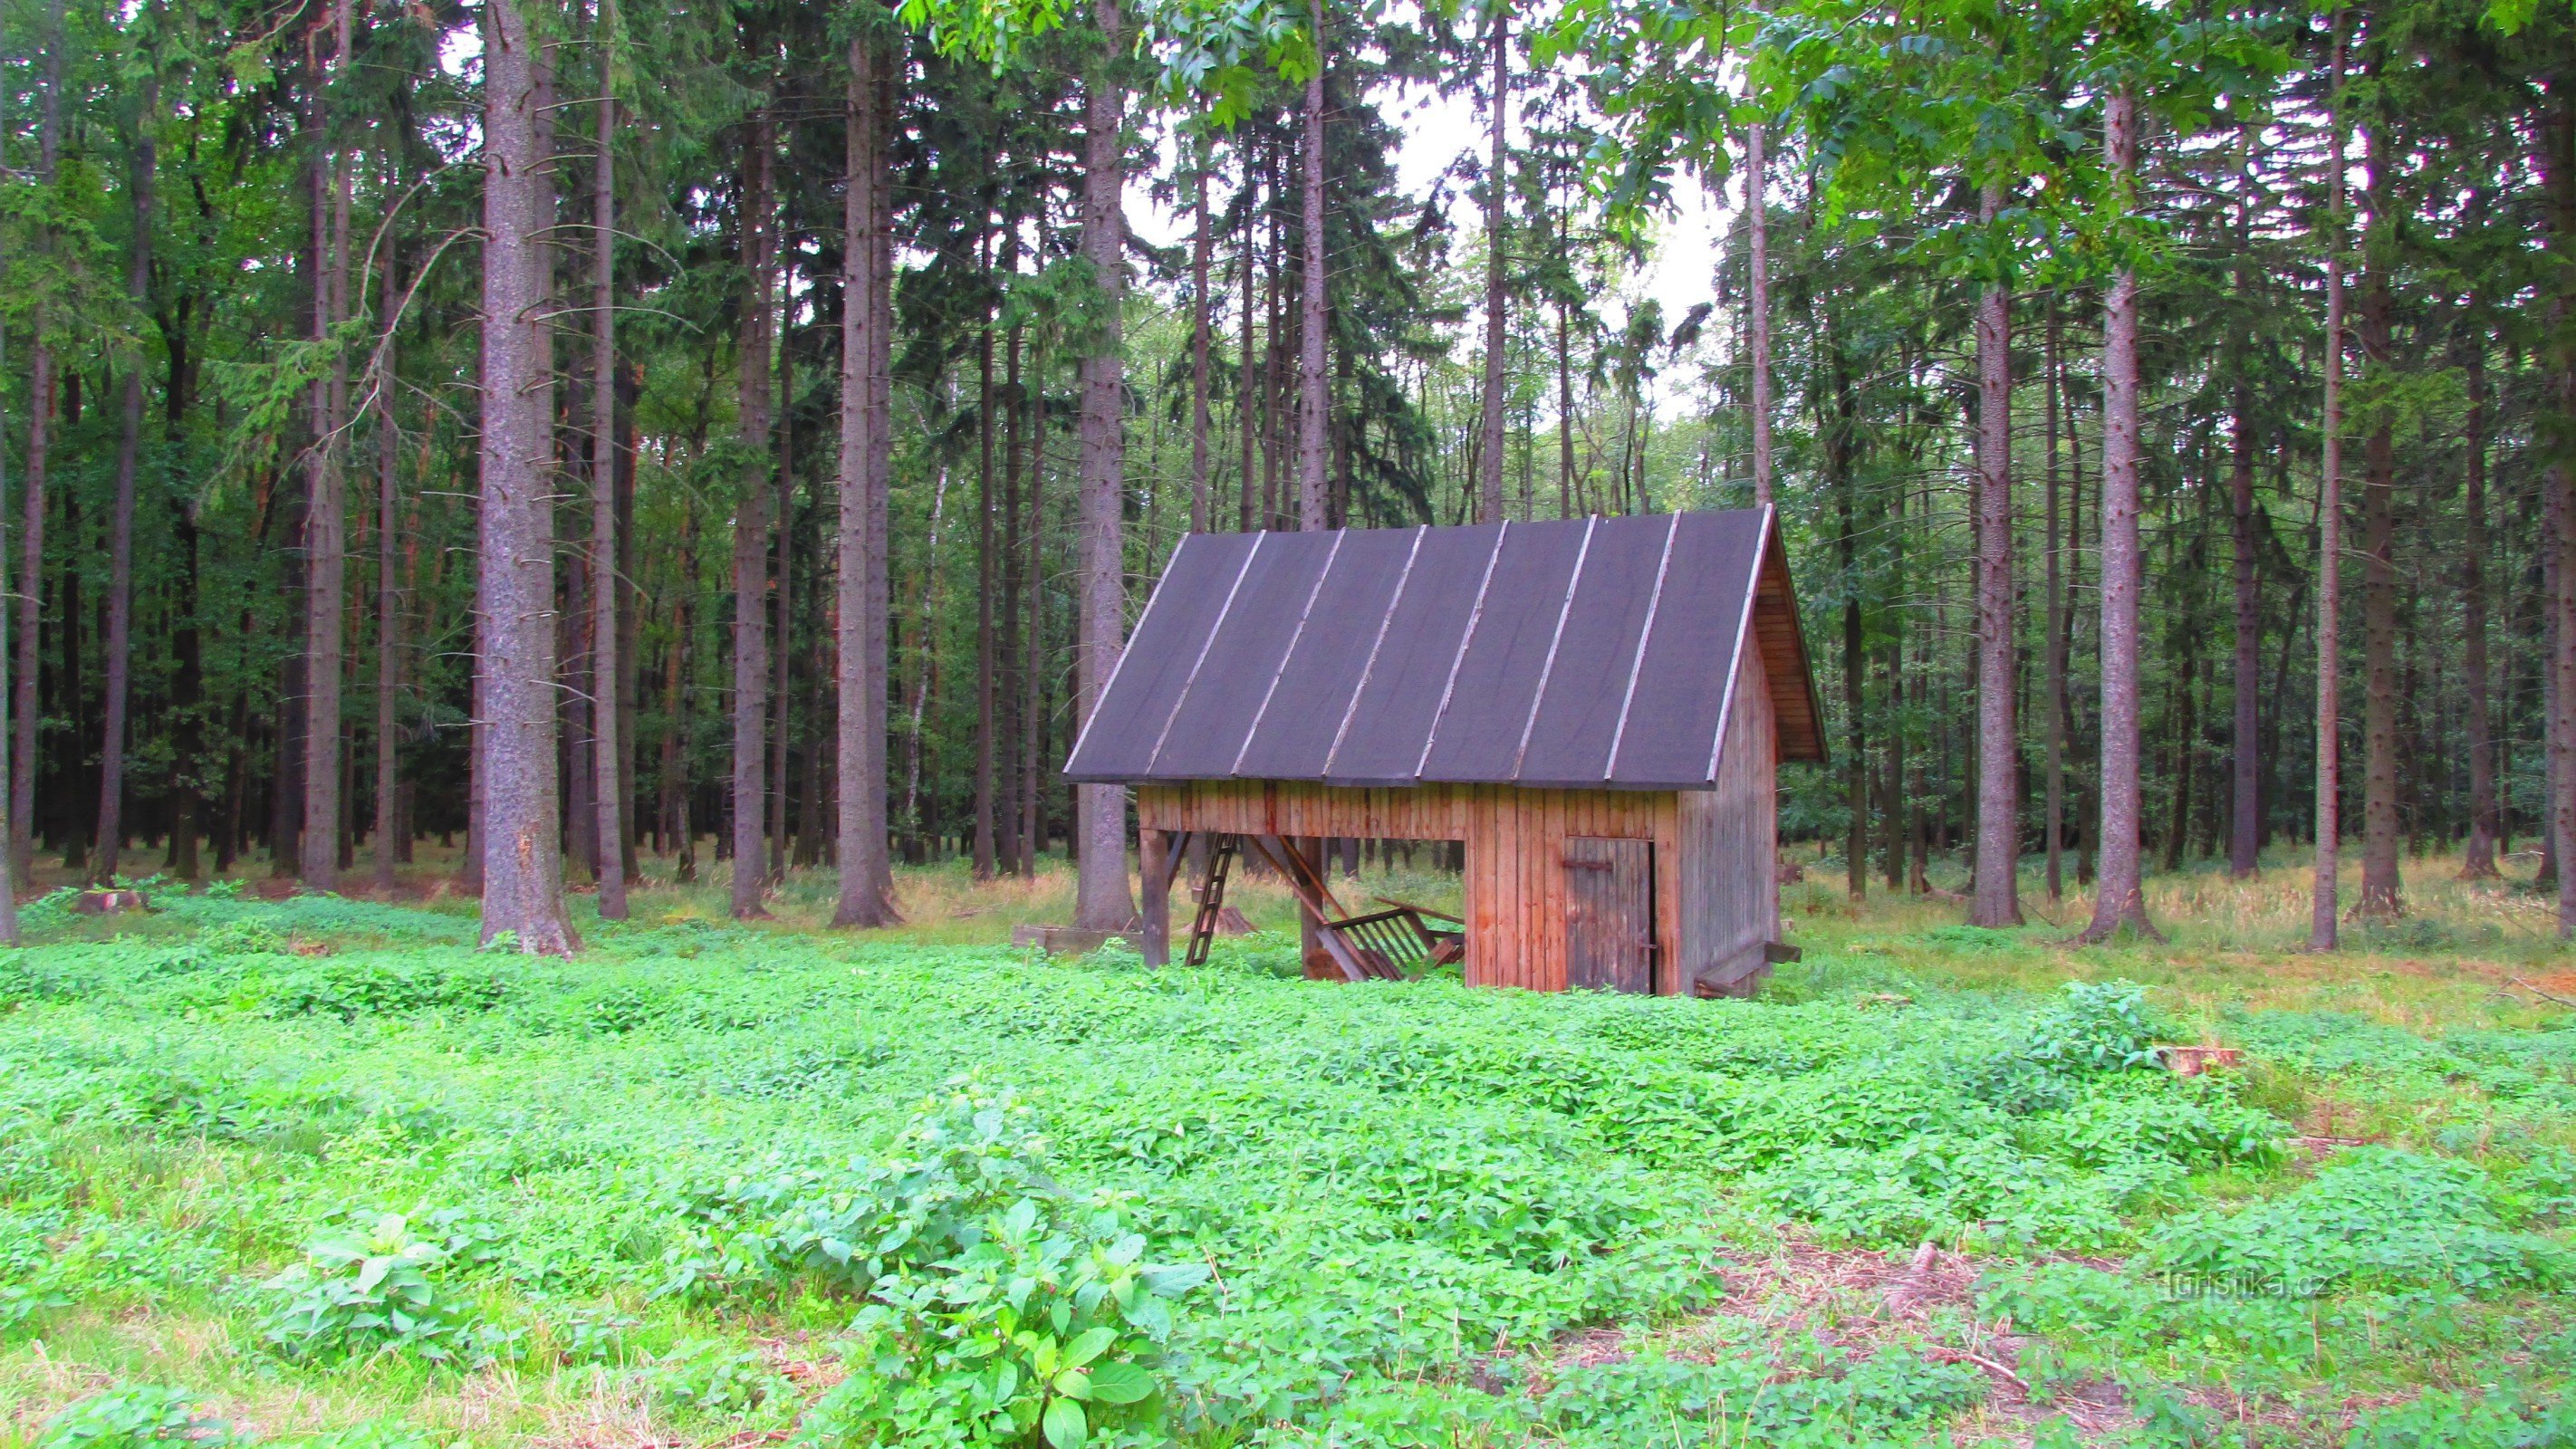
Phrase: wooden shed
x=1594 y=707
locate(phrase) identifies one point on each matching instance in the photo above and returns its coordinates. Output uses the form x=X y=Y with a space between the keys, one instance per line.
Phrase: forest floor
x=315 y=1171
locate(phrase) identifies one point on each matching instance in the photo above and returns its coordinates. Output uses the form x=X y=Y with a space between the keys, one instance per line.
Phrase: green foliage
x=2099 y=1027
x=385 y=1281
x=352 y=989
x=1208 y=1205
x=1049 y=1320
x=2374 y=1218
x=133 y=1416
x=714 y=1378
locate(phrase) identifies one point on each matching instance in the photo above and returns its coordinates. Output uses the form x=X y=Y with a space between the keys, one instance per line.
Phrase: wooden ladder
x=1211 y=900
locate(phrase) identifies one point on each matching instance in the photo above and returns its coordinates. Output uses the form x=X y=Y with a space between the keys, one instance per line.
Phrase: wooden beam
x=1158 y=853
x=1315 y=898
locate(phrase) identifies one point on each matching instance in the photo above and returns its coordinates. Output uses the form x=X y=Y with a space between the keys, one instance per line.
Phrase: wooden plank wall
x=1729 y=864
x=1515 y=883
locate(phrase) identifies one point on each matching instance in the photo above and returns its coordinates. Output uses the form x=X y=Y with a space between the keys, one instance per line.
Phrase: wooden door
x=1609 y=914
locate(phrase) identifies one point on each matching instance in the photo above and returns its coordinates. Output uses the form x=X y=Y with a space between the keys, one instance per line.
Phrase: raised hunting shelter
x=1594 y=707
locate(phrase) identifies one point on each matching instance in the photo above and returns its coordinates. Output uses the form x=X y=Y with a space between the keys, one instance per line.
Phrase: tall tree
x=1201 y=305
x=751 y=524
x=120 y=575
x=1757 y=231
x=607 y=728
x=2324 y=894
x=326 y=506
x=2381 y=894
x=2120 y=897
x=1102 y=901
x=388 y=592
x=2477 y=855
x=40 y=416
x=1314 y=383
x=859 y=655
x=1998 y=898
x=1489 y=484
x=2245 y=828
x=522 y=858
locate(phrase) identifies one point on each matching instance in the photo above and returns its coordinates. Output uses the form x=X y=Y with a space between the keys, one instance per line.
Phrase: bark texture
x=2477 y=858
x=858 y=671
x=1102 y=901
x=1200 y=303
x=388 y=607
x=2324 y=894
x=2381 y=895
x=326 y=518
x=751 y=535
x=1998 y=893
x=2119 y=900
x=608 y=728
x=1489 y=479
x=1757 y=228
x=2245 y=804
x=522 y=859
x=1314 y=382
x=120 y=557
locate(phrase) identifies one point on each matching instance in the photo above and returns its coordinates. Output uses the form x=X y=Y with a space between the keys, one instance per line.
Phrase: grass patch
x=279 y=1171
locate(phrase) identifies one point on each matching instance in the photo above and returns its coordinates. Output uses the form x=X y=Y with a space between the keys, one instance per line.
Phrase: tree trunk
x=2559 y=505
x=676 y=697
x=1489 y=492
x=2324 y=925
x=1018 y=857
x=1246 y=413
x=31 y=538
x=1033 y=720
x=1314 y=382
x=1998 y=892
x=751 y=533
x=782 y=595
x=2478 y=859
x=120 y=546
x=1836 y=445
x=985 y=658
x=326 y=525
x=2245 y=802
x=1102 y=901
x=2381 y=897
x=2121 y=899
x=858 y=606
x=1201 y=499
x=389 y=838
x=608 y=727
x=515 y=591
x=2053 y=647
x=1757 y=226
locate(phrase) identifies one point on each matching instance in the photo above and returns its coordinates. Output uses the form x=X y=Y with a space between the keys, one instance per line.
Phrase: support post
x=1157 y=851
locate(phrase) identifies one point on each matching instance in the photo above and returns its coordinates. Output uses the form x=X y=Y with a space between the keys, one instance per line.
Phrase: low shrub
x=2374 y=1217
x=134 y=1416
x=384 y=1281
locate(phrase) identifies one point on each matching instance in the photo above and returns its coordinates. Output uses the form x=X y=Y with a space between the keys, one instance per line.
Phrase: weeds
x=1028 y=1202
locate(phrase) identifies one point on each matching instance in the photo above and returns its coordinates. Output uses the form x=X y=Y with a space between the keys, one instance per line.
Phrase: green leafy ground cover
x=711 y=1183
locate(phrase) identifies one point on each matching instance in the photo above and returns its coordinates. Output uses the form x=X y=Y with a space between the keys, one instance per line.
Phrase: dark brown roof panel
x=1596 y=656
x=1573 y=654
x=1216 y=715
x=1294 y=738
x=1390 y=720
x=1509 y=642
x=1670 y=737
x=1156 y=666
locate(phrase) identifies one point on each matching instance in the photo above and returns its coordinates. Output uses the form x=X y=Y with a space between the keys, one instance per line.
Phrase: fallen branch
x=2543 y=995
x=1960 y=1355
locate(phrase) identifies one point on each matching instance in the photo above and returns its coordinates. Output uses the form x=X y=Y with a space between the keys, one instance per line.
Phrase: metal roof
x=1579 y=654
